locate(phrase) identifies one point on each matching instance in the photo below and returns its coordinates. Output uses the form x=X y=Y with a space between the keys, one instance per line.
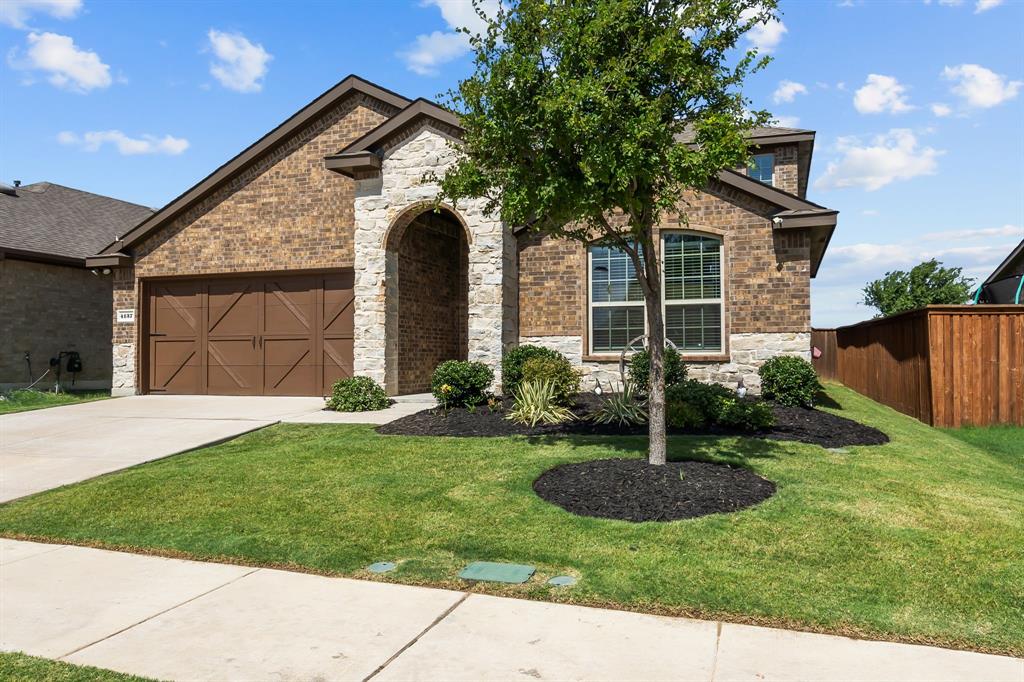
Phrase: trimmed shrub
x=357 y=394
x=565 y=380
x=789 y=380
x=624 y=409
x=460 y=383
x=512 y=364
x=746 y=415
x=535 y=402
x=706 y=398
x=640 y=369
x=683 y=415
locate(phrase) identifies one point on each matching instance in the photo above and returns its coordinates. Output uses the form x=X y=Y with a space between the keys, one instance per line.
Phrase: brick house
x=49 y=301
x=316 y=254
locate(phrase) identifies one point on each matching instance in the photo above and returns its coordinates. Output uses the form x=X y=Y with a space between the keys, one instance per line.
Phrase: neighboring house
x=49 y=301
x=316 y=254
x=1006 y=283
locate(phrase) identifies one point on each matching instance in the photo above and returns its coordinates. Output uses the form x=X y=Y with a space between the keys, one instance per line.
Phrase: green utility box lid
x=497 y=572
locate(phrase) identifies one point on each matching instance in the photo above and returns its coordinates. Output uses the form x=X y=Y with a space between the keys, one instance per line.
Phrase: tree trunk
x=656 y=396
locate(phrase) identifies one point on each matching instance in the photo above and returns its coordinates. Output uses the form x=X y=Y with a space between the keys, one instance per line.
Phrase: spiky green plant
x=535 y=403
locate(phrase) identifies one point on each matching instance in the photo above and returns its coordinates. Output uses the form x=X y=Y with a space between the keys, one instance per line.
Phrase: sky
x=918 y=105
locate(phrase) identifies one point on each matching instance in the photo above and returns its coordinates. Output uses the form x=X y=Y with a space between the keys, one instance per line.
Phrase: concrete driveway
x=43 y=449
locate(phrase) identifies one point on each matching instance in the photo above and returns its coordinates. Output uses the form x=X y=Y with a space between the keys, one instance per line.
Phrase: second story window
x=762 y=168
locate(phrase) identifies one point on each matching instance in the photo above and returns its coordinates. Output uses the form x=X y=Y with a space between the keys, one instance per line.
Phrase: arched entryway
x=427 y=288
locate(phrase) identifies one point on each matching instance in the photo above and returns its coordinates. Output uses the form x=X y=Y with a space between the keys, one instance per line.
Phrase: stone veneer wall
x=748 y=353
x=382 y=201
x=45 y=309
x=285 y=211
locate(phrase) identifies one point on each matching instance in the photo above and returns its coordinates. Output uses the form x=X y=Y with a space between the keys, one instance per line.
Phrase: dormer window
x=762 y=168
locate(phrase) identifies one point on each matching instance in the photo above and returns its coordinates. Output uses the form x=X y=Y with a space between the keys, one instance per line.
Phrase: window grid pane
x=693 y=267
x=695 y=328
x=612 y=276
x=615 y=326
x=762 y=168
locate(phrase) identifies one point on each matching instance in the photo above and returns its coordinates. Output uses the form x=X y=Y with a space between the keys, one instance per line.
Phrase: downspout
x=1020 y=285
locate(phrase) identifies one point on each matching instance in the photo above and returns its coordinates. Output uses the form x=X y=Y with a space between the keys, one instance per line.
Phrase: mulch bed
x=633 y=490
x=791 y=423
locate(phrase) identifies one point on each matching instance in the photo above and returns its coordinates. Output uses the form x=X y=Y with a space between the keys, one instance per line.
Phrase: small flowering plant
x=459 y=383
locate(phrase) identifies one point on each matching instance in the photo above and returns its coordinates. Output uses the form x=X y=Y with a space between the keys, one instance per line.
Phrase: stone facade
x=384 y=203
x=45 y=309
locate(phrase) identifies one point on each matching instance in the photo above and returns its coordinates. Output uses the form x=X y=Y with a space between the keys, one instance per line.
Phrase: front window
x=691 y=295
x=616 y=300
x=762 y=168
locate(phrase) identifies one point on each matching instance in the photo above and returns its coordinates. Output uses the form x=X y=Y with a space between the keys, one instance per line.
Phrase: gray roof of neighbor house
x=1012 y=265
x=51 y=222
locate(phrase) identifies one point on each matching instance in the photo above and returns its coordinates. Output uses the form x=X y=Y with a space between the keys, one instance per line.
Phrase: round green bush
x=640 y=369
x=460 y=383
x=745 y=415
x=564 y=379
x=707 y=398
x=680 y=414
x=513 y=360
x=789 y=380
x=357 y=394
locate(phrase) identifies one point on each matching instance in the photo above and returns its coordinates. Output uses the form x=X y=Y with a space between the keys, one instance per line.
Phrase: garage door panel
x=338 y=315
x=233 y=367
x=175 y=366
x=289 y=306
x=177 y=309
x=289 y=366
x=233 y=309
x=336 y=362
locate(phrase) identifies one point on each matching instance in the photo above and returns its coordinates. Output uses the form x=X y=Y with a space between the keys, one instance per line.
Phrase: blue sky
x=918 y=105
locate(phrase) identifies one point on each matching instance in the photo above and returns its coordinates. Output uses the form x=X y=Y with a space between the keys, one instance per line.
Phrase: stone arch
x=426 y=295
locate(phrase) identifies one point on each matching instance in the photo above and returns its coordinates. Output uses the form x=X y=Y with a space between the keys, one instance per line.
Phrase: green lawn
x=23 y=400
x=22 y=668
x=921 y=539
x=1001 y=441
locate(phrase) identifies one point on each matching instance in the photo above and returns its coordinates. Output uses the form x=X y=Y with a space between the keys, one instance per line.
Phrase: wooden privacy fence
x=944 y=365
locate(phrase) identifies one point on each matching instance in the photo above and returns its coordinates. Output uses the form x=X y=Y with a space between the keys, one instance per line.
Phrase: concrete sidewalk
x=185 y=620
x=43 y=449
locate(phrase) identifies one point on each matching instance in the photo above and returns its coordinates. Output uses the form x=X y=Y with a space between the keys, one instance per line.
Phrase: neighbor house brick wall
x=285 y=211
x=45 y=309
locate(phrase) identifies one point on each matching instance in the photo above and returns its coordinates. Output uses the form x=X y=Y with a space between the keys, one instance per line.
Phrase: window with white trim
x=691 y=295
x=692 y=291
x=762 y=168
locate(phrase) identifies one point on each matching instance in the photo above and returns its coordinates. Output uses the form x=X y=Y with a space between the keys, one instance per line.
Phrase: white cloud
x=985 y=232
x=941 y=110
x=16 y=13
x=870 y=212
x=879 y=94
x=242 y=65
x=886 y=159
x=788 y=121
x=127 y=146
x=67 y=66
x=985 y=5
x=787 y=91
x=979 y=87
x=764 y=36
x=432 y=50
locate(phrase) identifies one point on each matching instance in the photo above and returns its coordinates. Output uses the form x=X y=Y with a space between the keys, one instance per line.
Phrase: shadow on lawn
x=736 y=451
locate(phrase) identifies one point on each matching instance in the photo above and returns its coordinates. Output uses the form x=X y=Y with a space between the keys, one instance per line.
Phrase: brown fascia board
x=379 y=135
x=349 y=84
x=39 y=257
x=773 y=195
x=352 y=164
x=112 y=260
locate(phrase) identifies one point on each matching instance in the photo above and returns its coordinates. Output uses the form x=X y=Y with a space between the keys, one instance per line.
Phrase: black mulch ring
x=791 y=423
x=633 y=490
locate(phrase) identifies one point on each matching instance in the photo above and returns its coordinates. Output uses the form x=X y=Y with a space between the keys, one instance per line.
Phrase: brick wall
x=284 y=212
x=45 y=309
x=767 y=271
x=432 y=300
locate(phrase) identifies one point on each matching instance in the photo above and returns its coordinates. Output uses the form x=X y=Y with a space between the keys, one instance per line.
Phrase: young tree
x=926 y=283
x=587 y=120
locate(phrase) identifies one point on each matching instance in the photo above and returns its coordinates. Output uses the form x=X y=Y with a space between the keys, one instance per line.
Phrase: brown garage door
x=263 y=335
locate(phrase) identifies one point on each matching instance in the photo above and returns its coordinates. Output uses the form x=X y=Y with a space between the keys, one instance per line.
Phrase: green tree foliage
x=587 y=120
x=925 y=284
